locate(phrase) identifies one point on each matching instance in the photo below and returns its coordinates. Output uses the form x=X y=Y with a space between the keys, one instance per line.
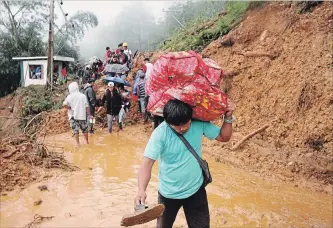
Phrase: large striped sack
x=190 y=78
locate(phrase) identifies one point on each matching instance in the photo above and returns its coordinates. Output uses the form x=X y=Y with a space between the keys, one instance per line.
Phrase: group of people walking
x=173 y=143
x=117 y=102
x=122 y=55
x=83 y=105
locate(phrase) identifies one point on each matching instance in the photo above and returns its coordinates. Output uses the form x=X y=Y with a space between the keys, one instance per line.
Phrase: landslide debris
x=279 y=72
x=21 y=159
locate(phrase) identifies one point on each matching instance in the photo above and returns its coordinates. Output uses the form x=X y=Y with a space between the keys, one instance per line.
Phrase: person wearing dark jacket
x=107 y=98
x=91 y=97
x=86 y=75
x=123 y=58
x=112 y=99
x=117 y=103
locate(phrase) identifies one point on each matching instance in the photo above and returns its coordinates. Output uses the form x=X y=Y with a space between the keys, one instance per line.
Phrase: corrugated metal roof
x=55 y=58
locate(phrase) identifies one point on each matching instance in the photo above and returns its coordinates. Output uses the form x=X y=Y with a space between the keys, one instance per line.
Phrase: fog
x=118 y=22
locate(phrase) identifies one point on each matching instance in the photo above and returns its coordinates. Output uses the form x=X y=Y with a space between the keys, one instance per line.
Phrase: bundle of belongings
x=190 y=78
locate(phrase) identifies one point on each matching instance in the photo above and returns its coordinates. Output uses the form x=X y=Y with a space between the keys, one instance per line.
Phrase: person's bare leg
x=76 y=136
x=86 y=137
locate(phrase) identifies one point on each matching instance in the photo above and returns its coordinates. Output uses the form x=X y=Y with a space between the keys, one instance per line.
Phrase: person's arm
x=226 y=129
x=131 y=55
x=143 y=179
x=87 y=107
x=152 y=152
x=65 y=104
x=134 y=88
x=138 y=90
x=67 y=107
x=223 y=133
x=102 y=103
x=91 y=97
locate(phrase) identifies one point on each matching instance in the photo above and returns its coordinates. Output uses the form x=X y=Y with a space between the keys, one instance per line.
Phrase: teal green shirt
x=180 y=174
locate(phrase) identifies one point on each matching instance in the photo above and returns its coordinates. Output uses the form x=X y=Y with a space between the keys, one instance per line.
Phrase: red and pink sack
x=190 y=78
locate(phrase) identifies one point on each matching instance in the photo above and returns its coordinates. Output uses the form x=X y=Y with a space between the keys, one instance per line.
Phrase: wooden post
x=50 y=47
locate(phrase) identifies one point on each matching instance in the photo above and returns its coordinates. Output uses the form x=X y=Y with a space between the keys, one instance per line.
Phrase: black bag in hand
x=203 y=164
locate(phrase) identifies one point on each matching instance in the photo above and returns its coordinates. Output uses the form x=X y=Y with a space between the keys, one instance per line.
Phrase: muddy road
x=103 y=191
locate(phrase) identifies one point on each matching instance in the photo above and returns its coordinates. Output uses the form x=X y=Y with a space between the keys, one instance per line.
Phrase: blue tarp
x=116 y=80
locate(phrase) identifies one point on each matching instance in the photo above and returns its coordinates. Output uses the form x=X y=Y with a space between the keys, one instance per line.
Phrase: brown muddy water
x=103 y=191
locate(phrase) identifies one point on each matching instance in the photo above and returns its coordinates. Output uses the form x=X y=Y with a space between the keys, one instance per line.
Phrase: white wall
x=26 y=79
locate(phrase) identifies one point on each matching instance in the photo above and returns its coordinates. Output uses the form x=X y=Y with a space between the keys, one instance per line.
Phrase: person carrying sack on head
x=183 y=174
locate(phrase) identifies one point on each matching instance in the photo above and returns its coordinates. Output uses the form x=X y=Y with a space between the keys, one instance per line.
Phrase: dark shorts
x=195 y=208
x=76 y=125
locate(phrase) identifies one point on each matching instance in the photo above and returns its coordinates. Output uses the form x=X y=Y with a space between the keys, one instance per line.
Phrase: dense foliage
x=23 y=24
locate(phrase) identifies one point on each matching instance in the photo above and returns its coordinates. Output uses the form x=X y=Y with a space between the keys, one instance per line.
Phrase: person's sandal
x=143 y=214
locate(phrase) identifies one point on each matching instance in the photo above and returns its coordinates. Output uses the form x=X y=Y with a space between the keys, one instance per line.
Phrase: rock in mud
x=38 y=202
x=43 y=188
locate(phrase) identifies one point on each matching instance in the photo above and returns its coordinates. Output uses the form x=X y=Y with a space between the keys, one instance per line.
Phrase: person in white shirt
x=127 y=51
x=129 y=55
x=148 y=68
x=77 y=105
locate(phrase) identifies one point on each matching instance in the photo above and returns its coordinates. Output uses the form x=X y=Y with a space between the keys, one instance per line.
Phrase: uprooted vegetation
x=25 y=115
x=26 y=108
x=38 y=99
x=21 y=157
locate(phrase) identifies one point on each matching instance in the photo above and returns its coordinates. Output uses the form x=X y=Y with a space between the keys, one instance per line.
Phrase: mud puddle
x=103 y=191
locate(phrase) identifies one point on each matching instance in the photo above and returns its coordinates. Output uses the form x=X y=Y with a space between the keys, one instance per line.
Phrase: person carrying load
x=129 y=55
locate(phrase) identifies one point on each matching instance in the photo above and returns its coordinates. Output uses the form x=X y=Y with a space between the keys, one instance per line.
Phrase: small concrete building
x=33 y=70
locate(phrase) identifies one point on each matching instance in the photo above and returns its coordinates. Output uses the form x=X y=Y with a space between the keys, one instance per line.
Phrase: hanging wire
x=64 y=37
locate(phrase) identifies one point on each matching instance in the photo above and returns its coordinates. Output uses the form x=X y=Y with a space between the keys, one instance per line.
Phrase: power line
x=64 y=38
x=63 y=13
x=59 y=30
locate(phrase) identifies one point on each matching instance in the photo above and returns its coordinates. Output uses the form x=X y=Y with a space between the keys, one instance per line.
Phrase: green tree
x=23 y=24
x=73 y=30
x=22 y=21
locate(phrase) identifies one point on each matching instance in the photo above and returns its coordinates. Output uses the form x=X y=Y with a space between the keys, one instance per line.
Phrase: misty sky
x=105 y=11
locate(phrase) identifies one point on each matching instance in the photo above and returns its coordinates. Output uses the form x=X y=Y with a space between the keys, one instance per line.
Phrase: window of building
x=36 y=72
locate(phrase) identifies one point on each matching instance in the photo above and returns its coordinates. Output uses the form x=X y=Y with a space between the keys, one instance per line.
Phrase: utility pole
x=50 y=47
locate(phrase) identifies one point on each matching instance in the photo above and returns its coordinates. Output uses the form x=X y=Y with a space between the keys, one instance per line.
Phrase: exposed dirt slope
x=279 y=72
x=10 y=107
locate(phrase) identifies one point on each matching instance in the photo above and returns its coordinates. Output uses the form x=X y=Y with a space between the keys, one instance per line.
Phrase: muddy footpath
x=102 y=191
x=278 y=72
